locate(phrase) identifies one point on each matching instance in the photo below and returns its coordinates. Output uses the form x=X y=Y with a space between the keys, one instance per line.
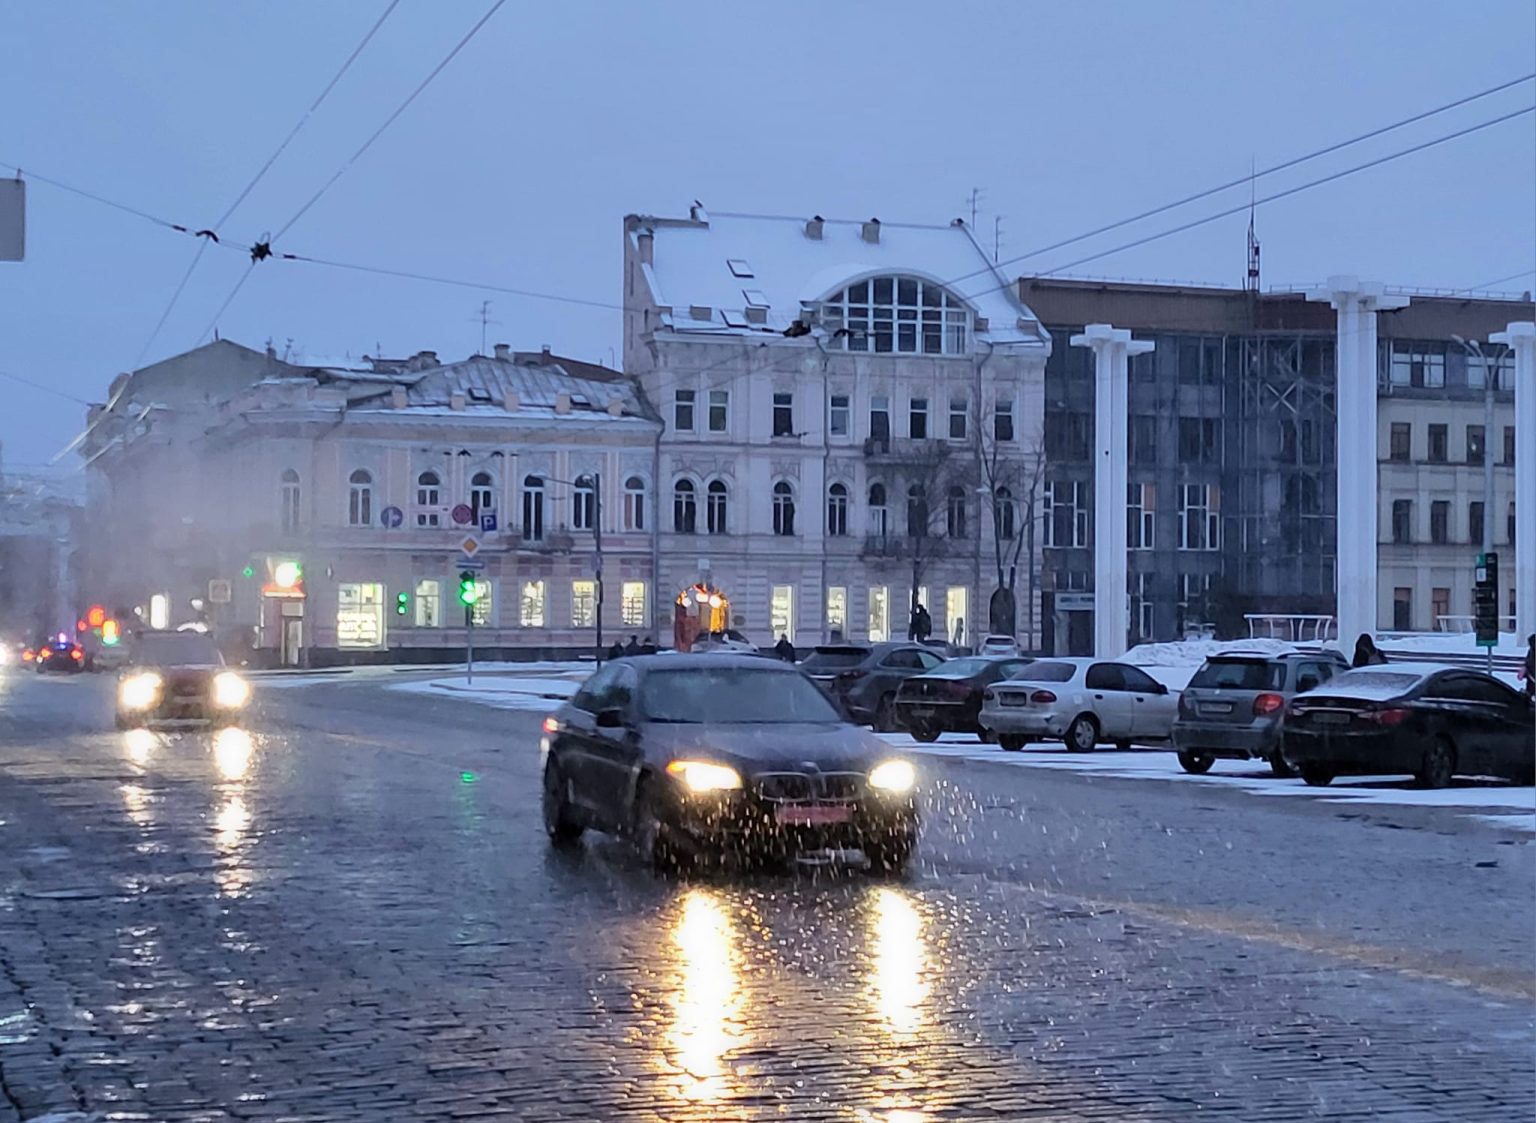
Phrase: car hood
x=768 y=748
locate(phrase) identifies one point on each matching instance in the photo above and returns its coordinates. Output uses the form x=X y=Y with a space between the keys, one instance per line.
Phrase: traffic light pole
x=469 y=645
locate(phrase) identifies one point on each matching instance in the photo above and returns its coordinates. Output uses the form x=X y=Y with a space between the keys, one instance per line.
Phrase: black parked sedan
x=1425 y=719
x=948 y=698
x=702 y=759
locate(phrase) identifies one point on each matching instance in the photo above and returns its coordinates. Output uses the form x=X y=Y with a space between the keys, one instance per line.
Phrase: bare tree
x=1012 y=477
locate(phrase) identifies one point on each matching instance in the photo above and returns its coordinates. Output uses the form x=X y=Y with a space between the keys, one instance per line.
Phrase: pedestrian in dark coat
x=633 y=646
x=616 y=651
x=1367 y=654
x=784 y=649
x=1530 y=667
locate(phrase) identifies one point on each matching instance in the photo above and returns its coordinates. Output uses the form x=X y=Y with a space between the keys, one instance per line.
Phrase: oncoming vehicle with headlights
x=723 y=758
x=178 y=676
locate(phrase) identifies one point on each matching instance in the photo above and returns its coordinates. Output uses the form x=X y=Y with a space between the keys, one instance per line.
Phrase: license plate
x=1216 y=707
x=1326 y=718
x=813 y=814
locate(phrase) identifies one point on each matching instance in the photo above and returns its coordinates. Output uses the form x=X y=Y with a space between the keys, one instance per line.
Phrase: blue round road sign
x=391 y=517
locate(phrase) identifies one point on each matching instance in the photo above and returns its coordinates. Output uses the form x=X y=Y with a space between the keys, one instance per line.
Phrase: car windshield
x=835 y=658
x=1240 y=674
x=1046 y=672
x=732 y=696
x=178 y=649
x=962 y=668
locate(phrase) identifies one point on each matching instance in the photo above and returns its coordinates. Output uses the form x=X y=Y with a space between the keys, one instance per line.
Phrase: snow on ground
x=279 y=679
x=516 y=692
x=1461 y=643
x=1504 y=805
x=1174 y=664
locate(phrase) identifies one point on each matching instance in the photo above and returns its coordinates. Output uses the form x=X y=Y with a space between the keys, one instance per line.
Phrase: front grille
x=807 y=787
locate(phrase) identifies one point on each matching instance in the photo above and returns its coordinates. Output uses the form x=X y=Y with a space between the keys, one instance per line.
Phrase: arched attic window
x=900 y=315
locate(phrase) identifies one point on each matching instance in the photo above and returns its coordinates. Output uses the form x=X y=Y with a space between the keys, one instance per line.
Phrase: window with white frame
x=1417 y=364
x=837 y=415
x=429 y=499
x=837 y=510
x=717 y=506
x=837 y=610
x=682 y=410
x=879 y=614
x=634 y=503
x=429 y=603
x=959 y=416
x=685 y=507
x=784 y=414
x=880 y=417
x=905 y=315
x=719 y=411
x=584 y=503
x=956 y=609
x=360 y=498
x=290 y=511
x=781 y=612
x=917 y=419
x=1193 y=588
x=359 y=614
x=533 y=508
x=530 y=609
x=1066 y=507
x=1141 y=516
x=1143 y=607
x=482 y=495
x=783 y=509
x=632 y=604
x=583 y=603
x=1199 y=517
x=483 y=611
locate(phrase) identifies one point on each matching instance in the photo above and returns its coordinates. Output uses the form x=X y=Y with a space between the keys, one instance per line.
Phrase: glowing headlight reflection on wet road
x=232 y=749
x=707 y=1002
x=900 y=960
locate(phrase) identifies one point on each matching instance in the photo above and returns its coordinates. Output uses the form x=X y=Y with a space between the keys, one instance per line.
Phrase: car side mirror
x=611 y=718
x=1162 y=688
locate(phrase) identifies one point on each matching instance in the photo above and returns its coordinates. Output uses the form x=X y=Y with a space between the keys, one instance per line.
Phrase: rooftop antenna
x=484 y=316
x=975 y=202
x=997 y=239
x=1251 y=283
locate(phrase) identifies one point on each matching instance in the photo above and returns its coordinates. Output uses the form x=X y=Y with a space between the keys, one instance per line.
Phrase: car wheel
x=925 y=733
x=885 y=714
x=892 y=854
x=1123 y=746
x=1083 y=734
x=986 y=737
x=1439 y=764
x=1316 y=775
x=1279 y=765
x=1196 y=763
x=1012 y=742
x=558 y=823
x=651 y=837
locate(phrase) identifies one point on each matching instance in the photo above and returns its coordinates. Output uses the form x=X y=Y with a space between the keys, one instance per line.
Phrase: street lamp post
x=1474 y=350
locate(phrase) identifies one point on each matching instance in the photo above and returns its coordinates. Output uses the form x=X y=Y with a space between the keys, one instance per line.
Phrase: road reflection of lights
x=232 y=749
x=232 y=823
x=136 y=800
x=708 y=998
x=138 y=744
x=899 y=976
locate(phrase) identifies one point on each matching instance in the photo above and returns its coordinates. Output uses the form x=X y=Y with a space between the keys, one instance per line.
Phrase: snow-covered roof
x=709 y=270
x=485 y=385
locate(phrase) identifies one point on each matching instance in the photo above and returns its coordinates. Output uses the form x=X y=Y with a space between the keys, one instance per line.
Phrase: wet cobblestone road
x=348 y=912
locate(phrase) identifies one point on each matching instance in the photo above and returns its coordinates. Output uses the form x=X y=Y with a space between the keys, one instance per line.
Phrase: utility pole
x=597 y=557
x=1474 y=351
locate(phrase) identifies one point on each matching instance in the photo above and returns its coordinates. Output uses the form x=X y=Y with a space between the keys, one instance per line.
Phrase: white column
x=1111 y=347
x=1356 y=517
x=1520 y=337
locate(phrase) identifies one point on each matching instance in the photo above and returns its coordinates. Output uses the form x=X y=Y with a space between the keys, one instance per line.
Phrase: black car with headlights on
x=947 y=699
x=1425 y=719
x=176 y=677
x=716 y=758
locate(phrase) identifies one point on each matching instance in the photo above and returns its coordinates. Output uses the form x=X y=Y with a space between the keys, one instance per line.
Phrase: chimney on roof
x=423 y=360
x=697 y=213
x=647 y=245
x=813 y=227
x=544 y=356
x=871 y=231
x=562 y=402
x=456 y=400
x=503 y=353
x=397 y=397
x=510 y=401
x=271 y=350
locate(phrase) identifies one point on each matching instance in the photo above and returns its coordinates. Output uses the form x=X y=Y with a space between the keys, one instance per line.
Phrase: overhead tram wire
x=43 y=387
x=260 y=173
x=1181 y=228
x=1294 y=162
x=1486 y=285
x=263 y=248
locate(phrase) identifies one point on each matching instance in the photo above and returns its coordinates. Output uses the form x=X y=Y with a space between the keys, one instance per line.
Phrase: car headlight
x=893 y=776
x=702 y=776
x=230 y=690
x=140 y=692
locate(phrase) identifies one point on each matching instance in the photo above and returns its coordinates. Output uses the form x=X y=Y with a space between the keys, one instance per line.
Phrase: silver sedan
x=1080 y=702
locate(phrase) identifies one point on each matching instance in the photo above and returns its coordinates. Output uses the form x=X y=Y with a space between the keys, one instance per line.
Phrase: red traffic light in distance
x=96 y=616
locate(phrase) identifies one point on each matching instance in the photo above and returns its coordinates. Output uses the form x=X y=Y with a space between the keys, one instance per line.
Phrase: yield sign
x=469 y=545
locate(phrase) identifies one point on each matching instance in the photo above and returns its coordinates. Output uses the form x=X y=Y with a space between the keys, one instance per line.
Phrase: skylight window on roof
x=739 y=267
x=581 y=400
x=734 y=319
x=755 y=298
x=479 y=394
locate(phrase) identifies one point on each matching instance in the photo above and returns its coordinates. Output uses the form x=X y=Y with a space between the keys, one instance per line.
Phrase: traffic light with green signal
x=402 y=603
x=469 y=590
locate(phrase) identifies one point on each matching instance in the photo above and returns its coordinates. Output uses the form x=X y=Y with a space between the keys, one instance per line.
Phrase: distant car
x=1234 y=706
x=1423 y=719
x=59 y=655
x=722 y=757
x=947 y=699
x=1080 y=702
x=729 y=640
x=178 y=676
x=998 y=645
x=864 y=678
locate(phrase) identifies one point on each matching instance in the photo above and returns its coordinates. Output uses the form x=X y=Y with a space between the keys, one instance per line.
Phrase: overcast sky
x=517 y=165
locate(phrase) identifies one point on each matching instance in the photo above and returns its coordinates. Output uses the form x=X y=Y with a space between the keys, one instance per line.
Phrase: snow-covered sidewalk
x=1505 y=805
x=507 y=692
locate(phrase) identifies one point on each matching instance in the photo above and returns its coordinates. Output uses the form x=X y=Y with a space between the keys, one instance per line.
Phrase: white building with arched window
x=813 y=376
